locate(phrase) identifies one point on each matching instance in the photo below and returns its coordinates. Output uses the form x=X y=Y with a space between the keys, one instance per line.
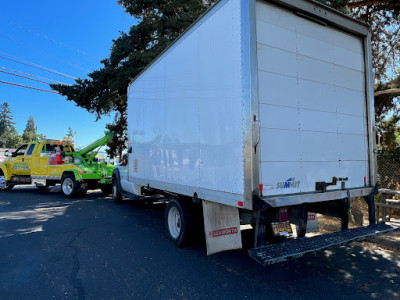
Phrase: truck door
x=18 y=164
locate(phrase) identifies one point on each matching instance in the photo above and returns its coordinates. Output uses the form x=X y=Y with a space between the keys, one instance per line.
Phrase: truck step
x=274 y=253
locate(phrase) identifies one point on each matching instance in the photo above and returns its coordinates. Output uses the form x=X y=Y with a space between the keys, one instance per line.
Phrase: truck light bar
x=58 y=142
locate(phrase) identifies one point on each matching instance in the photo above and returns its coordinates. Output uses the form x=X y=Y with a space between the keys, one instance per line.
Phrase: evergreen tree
x=12 y=138
x=70 y=134
x=29 y=133
x=41 y=136
x=8 y=133
x=6 y=118
x=160 y=23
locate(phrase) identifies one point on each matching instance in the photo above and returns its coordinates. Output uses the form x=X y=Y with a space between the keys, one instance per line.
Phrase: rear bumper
x=296 y=199
x=294 y=248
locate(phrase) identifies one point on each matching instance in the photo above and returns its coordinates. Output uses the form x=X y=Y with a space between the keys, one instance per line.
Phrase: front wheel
x=179 y=222
x=116 y=195
x=69 y=187
x=4 y=185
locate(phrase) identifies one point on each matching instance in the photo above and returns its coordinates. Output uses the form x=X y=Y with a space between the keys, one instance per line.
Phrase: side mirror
x=13 y=154
x=124 y=159
x=130 y=149
x=6 y=153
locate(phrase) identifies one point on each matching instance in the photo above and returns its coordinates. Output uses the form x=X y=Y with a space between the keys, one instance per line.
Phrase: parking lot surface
x=92 y=248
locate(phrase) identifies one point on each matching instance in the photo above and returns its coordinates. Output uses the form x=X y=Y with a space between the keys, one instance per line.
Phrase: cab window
x=20 y=151
x=51 y=148
x=30 y=150
x=46 y=148
x=68 y=148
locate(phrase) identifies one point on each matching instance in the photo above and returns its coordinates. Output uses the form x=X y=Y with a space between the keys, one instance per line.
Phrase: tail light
x=283 y=214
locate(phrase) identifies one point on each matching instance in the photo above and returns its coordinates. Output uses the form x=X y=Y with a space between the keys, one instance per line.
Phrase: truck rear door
x=312 y=103
x=44 y=153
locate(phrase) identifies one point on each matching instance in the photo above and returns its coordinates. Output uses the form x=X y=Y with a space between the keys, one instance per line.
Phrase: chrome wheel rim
x=67 y=186
x=3 y=183
x=174 y=222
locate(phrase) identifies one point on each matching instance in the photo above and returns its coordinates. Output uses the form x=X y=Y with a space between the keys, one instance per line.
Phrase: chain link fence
x=389 y=169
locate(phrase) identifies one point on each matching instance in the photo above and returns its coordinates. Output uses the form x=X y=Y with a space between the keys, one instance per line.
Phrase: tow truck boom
x=84 y=154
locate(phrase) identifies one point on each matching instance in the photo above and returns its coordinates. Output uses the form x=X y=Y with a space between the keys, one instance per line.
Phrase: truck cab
x=120 y=182
x=21 y=159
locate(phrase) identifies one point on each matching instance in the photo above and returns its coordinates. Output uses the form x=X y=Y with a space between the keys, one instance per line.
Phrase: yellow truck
x=49 y=162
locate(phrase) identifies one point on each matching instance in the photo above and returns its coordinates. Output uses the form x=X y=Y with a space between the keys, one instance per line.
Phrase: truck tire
x=116 y=195
x=4 y=185
x=69 y=187
x=179 y=222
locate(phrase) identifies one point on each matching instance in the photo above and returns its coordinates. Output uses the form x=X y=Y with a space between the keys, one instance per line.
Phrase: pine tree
x=160 y=23
x=70 y=134
x=29 y=133
x=6 y=118
x=8 y=133
x=12 y=138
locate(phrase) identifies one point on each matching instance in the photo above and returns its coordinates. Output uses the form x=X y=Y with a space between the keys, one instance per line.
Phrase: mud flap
x=222 y=227
x=312 y=223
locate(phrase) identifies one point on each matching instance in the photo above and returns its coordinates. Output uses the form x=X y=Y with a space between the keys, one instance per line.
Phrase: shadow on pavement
x=92 y=248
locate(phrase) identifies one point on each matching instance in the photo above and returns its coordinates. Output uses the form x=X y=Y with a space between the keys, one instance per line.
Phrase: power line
x=49 y=39
x=33 y=65
x=29 y=87
x=21 y=76
x=45 y=53
x=35 y=76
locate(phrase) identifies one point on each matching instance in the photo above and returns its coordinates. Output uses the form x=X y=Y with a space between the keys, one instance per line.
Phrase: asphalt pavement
x=92 y=248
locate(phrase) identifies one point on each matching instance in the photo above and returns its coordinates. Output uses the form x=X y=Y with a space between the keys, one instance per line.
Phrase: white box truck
x=261 y=112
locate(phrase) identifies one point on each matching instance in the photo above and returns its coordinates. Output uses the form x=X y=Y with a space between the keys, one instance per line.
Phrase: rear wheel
x=4 y=185
x=69 y=187
x=179 y=222
x=116 y=195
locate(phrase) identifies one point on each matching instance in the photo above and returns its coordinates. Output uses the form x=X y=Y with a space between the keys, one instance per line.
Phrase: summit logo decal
x=291 y=183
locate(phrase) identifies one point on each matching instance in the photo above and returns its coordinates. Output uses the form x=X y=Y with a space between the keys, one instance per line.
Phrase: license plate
x=281 y=228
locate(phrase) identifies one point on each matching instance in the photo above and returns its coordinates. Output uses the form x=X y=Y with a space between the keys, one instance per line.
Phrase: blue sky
x=69 y=37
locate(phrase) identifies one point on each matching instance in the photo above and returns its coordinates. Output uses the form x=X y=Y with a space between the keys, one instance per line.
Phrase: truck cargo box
x=257 y=99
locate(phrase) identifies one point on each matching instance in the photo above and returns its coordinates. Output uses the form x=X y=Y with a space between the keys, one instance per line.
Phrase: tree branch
x=394 y=91
x=367 y=3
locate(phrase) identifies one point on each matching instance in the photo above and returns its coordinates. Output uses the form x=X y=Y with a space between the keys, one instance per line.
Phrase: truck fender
x=117 y=177
x=75 y=172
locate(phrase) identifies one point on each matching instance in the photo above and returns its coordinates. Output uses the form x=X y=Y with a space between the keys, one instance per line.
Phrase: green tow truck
x=49 y=162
